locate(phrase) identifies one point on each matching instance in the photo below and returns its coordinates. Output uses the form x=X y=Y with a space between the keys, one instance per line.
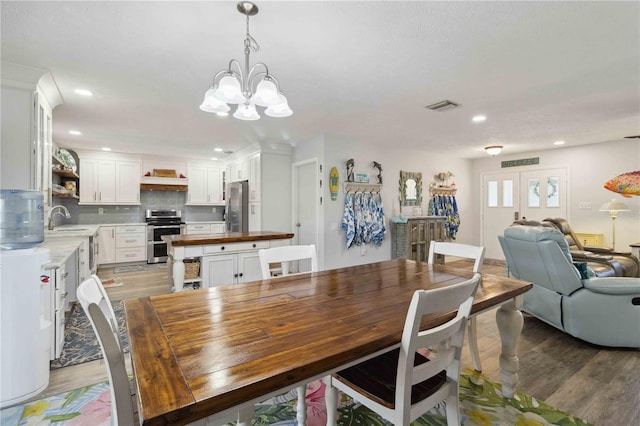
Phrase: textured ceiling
x=355 y=71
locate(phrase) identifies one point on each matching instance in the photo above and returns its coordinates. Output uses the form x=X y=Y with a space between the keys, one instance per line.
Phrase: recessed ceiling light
x=106 y=149
x=83 y=92
x=479 y=118
x=558 y=143
x=218 y=149
x=222 y=114
x=75 y=132
x=214 y=159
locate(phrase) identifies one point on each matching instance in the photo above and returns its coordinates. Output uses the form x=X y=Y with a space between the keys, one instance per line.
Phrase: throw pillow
x=585 y=272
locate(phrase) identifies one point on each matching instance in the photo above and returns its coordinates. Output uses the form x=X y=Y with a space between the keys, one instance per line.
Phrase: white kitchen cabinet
x=106 y=245
x=54 y=308
x=255 y=217
x=109 y=179
x=235 y=268
x=254 y=178
x=268 y=170
x=205 y=185
x=127 y=182
x=131 y=243
x=97 y=181
x=204 y=228
x=29 y=95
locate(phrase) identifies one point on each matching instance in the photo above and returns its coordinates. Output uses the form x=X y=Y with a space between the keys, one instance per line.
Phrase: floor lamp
x=613 y=207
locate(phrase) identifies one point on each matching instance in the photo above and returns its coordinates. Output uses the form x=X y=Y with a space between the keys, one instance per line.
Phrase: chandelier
x=246 y=87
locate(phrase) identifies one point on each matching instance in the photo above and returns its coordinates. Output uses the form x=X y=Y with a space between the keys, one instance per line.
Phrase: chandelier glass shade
x=493 y=149
x=246 y=86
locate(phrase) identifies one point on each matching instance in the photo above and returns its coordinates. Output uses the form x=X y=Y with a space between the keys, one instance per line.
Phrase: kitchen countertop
x=72 y=231
x=224 y=238
x=60 y=249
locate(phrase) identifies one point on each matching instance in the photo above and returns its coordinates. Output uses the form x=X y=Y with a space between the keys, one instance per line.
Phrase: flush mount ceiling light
x=493 y=149
x=75 y=132
x=246 y=87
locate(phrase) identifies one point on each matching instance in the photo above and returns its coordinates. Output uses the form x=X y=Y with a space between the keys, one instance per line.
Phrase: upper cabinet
x=29 y=95
x=109 y=179
x=205 y=184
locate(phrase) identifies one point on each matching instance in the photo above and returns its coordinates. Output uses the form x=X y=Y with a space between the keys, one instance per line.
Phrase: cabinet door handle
x=113 y=233
x=95 y=196
x=65 y=275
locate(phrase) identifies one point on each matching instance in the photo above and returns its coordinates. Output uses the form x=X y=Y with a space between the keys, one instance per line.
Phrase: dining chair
x=96 y=304
x=402 y=384
x=285 y=255
x=468 y=252
x=94 y=300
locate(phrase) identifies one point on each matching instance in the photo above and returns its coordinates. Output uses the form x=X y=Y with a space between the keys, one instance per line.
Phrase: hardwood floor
x=599 y=385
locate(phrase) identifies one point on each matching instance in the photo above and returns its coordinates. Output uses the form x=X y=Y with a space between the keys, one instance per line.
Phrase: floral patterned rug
x=80 y=342
x=481 y=403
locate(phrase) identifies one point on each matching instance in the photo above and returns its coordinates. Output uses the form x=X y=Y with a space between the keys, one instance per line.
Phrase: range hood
x=163 y=180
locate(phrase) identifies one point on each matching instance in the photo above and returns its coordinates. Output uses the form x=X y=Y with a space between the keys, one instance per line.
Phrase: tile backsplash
x=167 y=200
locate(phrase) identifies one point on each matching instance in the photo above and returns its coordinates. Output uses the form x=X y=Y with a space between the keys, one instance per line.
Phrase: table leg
x=245 y=415
x=301 y=407
x=510 y=323
x=331 y=401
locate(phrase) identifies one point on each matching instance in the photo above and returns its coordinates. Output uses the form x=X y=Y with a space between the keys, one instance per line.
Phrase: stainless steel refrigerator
x=237 y=213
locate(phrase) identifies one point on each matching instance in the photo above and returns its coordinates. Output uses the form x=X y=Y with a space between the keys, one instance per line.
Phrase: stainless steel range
x=159 y=223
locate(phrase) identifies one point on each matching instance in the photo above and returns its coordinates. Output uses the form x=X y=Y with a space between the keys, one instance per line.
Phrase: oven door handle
x=164 y=226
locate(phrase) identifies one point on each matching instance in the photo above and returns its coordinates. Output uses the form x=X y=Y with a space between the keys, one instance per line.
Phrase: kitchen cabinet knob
x=254 y=245
x=222 y=248
x=235 y=275
x=240 y=274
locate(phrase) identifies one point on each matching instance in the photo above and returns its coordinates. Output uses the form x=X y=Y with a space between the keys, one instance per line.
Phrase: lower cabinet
x=411 y=240
x=122 y=243
x=231 y=268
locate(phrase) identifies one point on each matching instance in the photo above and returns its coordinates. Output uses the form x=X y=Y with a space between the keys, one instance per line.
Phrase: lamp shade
x=614 y=206
x=266 y=94
x=279 y=110
x=229 y=90
x=213 y=104
x=246 y=112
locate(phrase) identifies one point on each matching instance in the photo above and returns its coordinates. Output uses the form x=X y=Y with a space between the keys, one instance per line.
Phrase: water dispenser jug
x=21 y=219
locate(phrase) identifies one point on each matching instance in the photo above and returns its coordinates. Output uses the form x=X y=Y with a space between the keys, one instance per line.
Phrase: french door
x=508 y=196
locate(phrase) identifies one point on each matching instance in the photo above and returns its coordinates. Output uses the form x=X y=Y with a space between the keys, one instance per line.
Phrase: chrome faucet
x=54 y=212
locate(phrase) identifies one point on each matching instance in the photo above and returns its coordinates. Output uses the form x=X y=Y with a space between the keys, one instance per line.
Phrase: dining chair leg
x=331 y=401
x=301 y=407
x=245 y=415
x=473 y=343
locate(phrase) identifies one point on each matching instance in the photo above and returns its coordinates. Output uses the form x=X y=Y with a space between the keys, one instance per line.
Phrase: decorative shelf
x=361 y=187
x=70 y=174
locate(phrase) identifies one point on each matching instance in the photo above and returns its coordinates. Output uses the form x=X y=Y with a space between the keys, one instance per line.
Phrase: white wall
x=590 y=166
x=337 y=152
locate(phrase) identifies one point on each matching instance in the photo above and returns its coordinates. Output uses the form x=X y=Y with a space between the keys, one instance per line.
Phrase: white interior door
x=508 y=196
x=305 y=205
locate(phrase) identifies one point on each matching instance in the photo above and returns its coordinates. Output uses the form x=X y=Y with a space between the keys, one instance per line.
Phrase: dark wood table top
x=196 y=353
x=224 y=238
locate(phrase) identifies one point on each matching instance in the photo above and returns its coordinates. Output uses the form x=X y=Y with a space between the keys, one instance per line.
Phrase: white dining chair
x=402 y=384
x=96 y=304
x=285 y=255
x=468 y=252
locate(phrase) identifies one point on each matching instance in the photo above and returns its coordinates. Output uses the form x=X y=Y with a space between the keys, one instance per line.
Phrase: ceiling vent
x=442 y=106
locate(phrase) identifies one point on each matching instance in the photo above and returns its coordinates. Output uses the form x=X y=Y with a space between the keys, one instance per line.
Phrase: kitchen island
x=224 y=258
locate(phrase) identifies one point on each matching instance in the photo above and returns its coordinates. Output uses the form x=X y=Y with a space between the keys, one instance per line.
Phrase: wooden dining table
x=217 y=351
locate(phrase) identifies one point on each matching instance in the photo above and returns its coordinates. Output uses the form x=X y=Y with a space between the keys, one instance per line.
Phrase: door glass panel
x=553 y=191
x=507 y=193
x=533 y=192
x=492 y=192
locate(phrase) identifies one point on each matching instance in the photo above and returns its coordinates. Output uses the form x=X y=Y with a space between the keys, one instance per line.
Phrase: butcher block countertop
x=224 y=238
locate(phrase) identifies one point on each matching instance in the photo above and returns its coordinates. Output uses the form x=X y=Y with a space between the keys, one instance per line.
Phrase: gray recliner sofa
x=602 y=311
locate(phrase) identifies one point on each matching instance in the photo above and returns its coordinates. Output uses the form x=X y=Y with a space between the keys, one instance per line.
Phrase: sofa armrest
x=613 y=285
x=587 y=255
x=606 y=250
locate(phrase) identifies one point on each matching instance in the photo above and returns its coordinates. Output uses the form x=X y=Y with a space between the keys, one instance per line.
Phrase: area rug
x=481 y=403
x=112 y=282
x=80 y=342
x=136 y=268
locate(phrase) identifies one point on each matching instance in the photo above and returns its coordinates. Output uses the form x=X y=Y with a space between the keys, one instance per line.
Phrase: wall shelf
x=361 y=187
